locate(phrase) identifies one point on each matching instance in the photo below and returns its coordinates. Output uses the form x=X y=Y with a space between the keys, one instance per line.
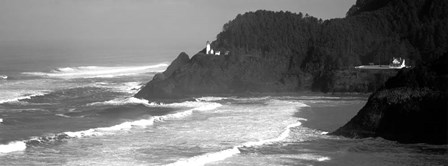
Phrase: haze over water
x=39 y=35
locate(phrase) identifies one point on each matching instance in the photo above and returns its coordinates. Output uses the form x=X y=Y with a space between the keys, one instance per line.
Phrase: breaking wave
x=198 y=104
x=12 y=147
x=124 y=101
x=101 y=131
x=311 y=157
x=127 y=87
x=111 y=130
x=221 y=155
x=63 y=115
x=17 y=96
x=287 y=102
x=210 y=98
x=99 y=71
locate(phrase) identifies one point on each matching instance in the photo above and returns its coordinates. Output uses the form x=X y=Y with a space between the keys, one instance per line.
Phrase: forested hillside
x=373 y=32
x=286 y=52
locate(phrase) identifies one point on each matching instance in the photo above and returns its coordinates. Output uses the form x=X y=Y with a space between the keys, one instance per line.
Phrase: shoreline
x=330 y=116
x=260 y=94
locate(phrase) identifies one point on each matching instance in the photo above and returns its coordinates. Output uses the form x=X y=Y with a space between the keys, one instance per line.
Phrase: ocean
x=83 y=113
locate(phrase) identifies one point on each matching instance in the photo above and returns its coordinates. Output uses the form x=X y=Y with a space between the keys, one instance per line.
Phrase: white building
x=210 y=51
x=208 y=48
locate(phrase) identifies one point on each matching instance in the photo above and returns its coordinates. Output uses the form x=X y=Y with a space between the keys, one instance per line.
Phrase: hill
x=288 y=52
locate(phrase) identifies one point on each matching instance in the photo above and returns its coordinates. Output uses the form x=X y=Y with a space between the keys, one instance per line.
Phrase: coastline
x=329 y=116
x=324 y=61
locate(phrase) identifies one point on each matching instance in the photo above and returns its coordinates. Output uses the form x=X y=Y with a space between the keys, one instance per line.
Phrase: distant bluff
x=288 y=52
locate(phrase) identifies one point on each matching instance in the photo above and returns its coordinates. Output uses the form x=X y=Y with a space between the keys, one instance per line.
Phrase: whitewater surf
x=87 y=115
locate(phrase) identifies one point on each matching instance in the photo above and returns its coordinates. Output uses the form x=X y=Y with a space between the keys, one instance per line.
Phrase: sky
x=144 y=27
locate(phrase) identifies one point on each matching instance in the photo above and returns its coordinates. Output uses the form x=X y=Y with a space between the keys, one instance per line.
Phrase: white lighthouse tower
x=208 y=48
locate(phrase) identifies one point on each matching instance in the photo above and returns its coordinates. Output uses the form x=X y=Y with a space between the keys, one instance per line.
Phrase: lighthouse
x=208 y=48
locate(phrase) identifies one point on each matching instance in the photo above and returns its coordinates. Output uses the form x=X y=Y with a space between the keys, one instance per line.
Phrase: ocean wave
x=124 y=101
x=12 y=147
x=100 y=131
x=287 y=102
x=18 y=96
x=221 y=155
x=312 y=157
x=198 y=105
x=3 y=77
x=127 y=87
x=144 y=122
x=111 y=130
x=210 y=98
x=63 y=115
x=264 y=98
x=99 y=71
x=323 y=98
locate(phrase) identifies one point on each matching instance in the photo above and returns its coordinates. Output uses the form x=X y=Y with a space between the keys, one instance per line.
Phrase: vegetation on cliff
x=287 y=52
x=283 y=51
x=412 y=106
x=375 y=31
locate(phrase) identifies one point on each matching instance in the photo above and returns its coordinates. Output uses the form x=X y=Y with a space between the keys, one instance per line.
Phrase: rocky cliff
x=208 y=74
x=411 y=108
x=288 y=52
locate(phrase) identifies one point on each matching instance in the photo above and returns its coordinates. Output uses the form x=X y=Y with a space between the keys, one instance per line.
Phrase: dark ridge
x=366 y=5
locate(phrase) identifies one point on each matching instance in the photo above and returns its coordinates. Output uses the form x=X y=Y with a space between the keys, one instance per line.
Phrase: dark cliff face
x=282 y=51
x=209 y=74
x=285 y=52
x=160 y=86
x=411 y=108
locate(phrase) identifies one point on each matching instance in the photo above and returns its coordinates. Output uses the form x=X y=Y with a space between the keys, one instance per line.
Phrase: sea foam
x=99 y=71
x=12 y=147
x=4 y=77
x=198 y=104
x=126 y=87
x=310 y=157
x=210 y=98
x=144 y=122
x=19 y=95
x=226 y=153
x=124 y=101
x=111 y=130
x=221 y=155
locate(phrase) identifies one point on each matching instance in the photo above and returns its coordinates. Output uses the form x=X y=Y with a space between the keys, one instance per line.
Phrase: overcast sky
x=154 y=24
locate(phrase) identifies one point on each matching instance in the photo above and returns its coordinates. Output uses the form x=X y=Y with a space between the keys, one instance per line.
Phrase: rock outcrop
x=288 y=52
x=411 y=108
x=160 y=87
x=208 y=74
